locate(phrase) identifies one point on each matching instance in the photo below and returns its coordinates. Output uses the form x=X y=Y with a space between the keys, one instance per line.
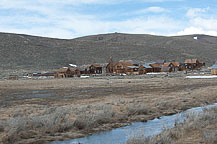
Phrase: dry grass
x=23 y=127
x=92 y=105
x=93 y=119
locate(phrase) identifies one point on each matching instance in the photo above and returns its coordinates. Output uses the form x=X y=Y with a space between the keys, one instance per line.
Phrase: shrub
x=138 y=110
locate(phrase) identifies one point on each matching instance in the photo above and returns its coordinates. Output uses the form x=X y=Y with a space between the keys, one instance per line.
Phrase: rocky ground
x=38 y=111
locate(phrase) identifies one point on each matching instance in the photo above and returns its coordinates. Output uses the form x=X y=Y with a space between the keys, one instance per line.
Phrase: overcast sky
x=75 y=18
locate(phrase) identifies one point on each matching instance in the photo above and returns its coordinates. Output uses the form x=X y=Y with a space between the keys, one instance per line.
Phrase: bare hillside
x=27 y=52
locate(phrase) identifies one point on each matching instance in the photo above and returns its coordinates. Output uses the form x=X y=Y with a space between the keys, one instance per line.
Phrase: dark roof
x=191 y=61
x=176 y=64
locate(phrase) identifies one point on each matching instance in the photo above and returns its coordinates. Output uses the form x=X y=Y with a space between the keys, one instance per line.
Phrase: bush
x=28 y=126
x=138 y=110
x=93 y=119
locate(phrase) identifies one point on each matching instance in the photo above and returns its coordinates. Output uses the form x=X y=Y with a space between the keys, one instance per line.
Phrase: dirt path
x=98 y=104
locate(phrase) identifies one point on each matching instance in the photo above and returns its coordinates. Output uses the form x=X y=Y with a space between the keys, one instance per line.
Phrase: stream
x=121 y=135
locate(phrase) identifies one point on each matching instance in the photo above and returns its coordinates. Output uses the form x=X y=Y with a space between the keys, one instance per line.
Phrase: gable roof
x=96 y=65
x=176 y=64
x=65 y=69
x=155 y=65
x=191 y=60
x=167 y=64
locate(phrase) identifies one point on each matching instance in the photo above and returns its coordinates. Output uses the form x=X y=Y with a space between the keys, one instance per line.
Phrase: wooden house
x=122 y=67
x=95 y=69
x=156 y=67
x=132 y=70
x=81 y=71
x=145 y=68
x=168 y=67
x=178 y=66
x=65 y=72
x=192 y=64
x=110 y=67
x=214 y=69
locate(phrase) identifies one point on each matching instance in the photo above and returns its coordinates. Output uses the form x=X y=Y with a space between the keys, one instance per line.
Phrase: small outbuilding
x=214 y=69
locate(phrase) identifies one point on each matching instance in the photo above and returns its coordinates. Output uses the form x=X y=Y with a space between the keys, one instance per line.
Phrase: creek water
x=149 y=128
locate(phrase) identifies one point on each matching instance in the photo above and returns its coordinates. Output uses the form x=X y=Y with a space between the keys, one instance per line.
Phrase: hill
x=19 y=51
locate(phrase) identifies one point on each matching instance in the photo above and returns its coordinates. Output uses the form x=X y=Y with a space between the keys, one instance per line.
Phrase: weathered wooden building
x=178 y=66
x=81 y=71
x=145 y=68
x=156 y=67
x=168 y=67
x=132 y=70
x=95 y=69
x=110 y=67
x=214 y=69
x=121 y=67
x=192 y=64
x=65 y=72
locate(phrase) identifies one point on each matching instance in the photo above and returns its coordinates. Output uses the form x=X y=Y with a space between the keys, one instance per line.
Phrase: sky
x=67 y=19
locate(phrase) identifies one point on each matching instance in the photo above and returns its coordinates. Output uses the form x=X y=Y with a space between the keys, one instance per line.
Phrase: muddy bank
x=49 y=110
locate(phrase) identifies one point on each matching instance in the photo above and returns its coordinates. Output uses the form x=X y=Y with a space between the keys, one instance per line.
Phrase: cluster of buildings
x=159 y=66
x=127 y=67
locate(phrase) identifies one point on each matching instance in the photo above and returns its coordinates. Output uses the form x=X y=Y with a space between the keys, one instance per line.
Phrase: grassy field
x=38 y=111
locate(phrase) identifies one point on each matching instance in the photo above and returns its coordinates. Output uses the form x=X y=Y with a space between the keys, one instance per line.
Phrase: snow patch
x=201 y=77
x=84 y=76
x=159 y=73
x=195 y=38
